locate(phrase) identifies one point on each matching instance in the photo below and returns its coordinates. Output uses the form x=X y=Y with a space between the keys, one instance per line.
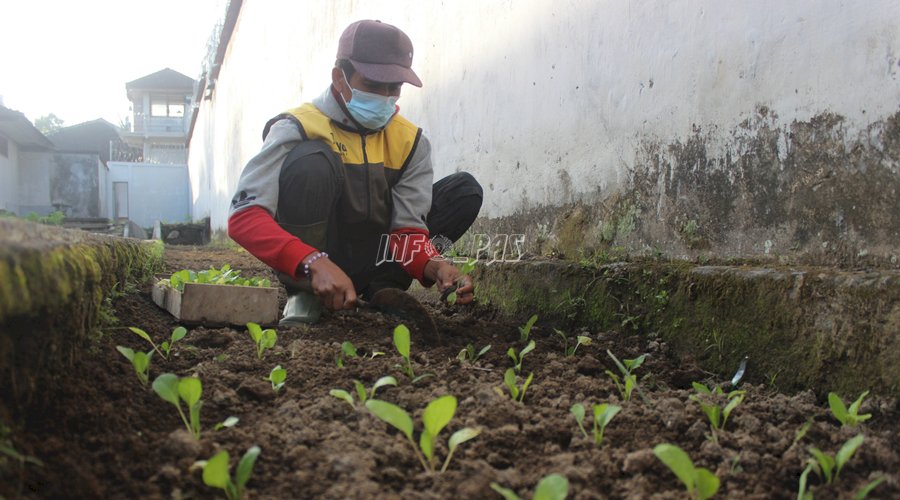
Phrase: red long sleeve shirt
x=254 y=229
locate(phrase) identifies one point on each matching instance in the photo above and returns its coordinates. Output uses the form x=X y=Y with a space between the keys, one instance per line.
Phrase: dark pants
x=311 y=191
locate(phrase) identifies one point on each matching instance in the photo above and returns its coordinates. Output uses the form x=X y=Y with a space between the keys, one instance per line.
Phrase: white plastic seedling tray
x=218 y=305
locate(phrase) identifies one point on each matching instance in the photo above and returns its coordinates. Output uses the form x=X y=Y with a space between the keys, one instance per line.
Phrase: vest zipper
x=368 y=187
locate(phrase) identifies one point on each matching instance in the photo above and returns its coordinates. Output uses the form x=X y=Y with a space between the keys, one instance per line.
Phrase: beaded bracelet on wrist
x=312 y=259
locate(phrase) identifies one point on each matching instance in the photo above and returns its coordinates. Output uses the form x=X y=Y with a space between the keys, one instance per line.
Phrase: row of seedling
x=185 y=394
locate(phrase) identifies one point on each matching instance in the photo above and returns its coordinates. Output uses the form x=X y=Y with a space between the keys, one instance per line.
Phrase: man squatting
x=336 y=174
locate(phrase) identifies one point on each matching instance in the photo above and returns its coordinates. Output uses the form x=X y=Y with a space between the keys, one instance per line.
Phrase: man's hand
x=445 y=274
x=332 y=285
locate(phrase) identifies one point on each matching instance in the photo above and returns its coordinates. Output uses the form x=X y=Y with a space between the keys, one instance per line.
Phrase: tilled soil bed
x=109 y=437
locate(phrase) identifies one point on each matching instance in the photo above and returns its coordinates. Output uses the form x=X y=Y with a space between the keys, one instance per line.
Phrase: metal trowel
x=398 y=303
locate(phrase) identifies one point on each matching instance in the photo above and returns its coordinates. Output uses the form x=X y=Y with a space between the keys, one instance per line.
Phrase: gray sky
x=73 y=58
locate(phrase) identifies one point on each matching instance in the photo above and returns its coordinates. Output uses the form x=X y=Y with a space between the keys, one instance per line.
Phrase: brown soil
x=108 y=437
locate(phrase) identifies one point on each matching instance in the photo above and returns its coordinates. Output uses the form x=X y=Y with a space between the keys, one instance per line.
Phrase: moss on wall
x=53 y=283
x=802 y=328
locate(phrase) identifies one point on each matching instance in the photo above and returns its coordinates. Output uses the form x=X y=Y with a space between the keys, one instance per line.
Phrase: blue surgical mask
x=371 y=110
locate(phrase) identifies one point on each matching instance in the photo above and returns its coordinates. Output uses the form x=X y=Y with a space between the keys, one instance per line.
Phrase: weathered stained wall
x=696 y=128
x=67 y=181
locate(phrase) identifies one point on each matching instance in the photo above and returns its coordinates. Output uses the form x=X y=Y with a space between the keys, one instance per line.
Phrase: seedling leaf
x=128 y=353
x=349 y=349
x=525 y=330
x=229 y=422
x=277 y=377
x=457 y=438
x=461 y=436
x=678 y=462
x=245 y=467
x=527 y=349
x=140 y=333
x=383 y=381
x=401 y=340
x=707 y=483
x=506 y=493
x=215 y=473
x=393 y=415
x=166 y=385
x=438 y=414
x=846 y=452
x=343 y=395
x=190 y=389
x=178 y=334
x=426 y=443
x=552 y=487
x=578 y=411
x=863 y=493
x=360 y=391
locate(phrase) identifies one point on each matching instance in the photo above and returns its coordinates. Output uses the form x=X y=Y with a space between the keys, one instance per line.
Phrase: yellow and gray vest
x=373 y=161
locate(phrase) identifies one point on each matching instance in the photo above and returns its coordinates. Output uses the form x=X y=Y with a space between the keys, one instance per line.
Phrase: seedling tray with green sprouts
x=217 y=297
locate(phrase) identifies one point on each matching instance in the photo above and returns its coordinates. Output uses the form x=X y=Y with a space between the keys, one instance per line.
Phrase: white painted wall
x=155 y=192
x=518 y=92
x=9 y=178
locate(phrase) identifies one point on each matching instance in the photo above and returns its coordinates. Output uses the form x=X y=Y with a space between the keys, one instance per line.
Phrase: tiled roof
x=167 y=79
x=20 y=130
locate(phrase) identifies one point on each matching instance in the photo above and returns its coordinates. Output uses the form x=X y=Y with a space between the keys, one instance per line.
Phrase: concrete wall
x=155 y=192
x=9 y=179
x=691 y=128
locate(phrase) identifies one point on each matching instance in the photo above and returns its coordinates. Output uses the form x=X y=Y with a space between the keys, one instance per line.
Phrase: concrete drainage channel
x=802 y=328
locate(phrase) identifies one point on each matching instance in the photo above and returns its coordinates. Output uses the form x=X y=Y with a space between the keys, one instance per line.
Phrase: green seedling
x=144 y=335
x=517 y=360
x=177 y=334
x=716 y=414
x=569 y=351
x=551 y=487
x=277 y=377
x=525 y=330
x=436 y=416
x=700 y=482
x=848 y=416
x=466 y=268
x=348 y=350
x=216 y=475
x=402 y=343
x=188 y=389
x=140 y=361
x=510 y=381
x=361 y=390
x=264 y=339
x=603 y=415
x=469 y=354
x=627 y=383
x=829 y=467
x=228 y=422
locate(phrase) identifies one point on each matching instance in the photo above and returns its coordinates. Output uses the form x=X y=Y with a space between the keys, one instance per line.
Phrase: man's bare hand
x=445 y=275
x=332 y=285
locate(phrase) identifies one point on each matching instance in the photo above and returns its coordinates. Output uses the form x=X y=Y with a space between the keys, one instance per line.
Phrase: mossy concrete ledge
x=53 y=283
x=802 y=328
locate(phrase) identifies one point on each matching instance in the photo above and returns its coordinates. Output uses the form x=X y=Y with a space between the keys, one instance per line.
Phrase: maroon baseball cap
x=379 y=51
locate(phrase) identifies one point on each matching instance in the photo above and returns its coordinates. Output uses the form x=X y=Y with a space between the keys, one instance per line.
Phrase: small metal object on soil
x=736 y=379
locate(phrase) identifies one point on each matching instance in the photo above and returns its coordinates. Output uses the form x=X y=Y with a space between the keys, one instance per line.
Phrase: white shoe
x=301 y=308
